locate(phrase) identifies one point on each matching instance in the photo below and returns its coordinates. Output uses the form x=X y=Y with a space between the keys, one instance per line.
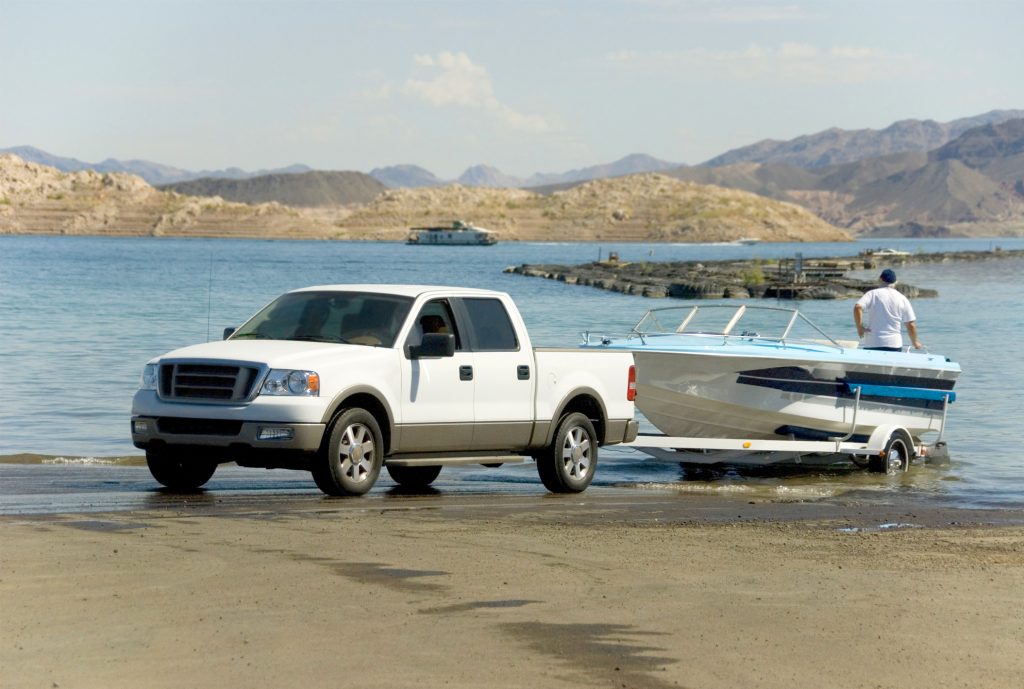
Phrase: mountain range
x=394 y=176
x=914 y=176
x=974 y=179
x=836 y=146
x=154 y=173
x=36 y=199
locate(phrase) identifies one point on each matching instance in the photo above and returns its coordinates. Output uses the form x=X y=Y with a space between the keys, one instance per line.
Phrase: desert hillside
x=304 y=189
x=35 y=199
x=646 y=207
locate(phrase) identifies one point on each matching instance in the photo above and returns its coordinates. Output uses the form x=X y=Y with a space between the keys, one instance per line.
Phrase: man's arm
x=858 y=312
x=912 y=331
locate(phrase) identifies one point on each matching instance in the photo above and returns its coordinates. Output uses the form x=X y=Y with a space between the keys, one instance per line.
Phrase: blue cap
x=888 y=276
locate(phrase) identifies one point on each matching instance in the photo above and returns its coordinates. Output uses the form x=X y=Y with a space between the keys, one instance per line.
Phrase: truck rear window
x=491 y=326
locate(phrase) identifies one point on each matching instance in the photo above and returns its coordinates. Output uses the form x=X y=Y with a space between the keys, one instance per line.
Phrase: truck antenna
x=209 y=299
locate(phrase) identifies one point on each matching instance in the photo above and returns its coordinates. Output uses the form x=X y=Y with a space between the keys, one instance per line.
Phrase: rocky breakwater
x=760 y=278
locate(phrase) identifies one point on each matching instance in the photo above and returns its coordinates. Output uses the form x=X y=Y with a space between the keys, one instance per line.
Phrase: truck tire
x=175 y=470
x=569 y=463
x=351 y=461
x=413 y=477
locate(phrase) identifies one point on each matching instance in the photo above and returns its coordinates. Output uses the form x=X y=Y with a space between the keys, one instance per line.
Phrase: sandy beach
x=608 y=589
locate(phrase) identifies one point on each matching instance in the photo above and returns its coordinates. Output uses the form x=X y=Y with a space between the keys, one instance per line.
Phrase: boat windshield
x=327 y=316
x=763 y=322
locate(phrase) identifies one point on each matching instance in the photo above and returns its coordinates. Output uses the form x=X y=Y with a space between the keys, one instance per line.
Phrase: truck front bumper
x=266 y=435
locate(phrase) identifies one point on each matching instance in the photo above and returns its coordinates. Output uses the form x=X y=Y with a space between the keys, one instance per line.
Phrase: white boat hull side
x=699 y=396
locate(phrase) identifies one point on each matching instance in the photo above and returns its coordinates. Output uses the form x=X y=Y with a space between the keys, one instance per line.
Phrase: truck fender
x=387 y=425
x=594 y=408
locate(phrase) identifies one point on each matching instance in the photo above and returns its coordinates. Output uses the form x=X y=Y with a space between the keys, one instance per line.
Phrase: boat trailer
x=889 y=449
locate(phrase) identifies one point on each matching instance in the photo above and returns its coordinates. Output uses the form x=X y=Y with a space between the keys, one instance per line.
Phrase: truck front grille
x=208 y=382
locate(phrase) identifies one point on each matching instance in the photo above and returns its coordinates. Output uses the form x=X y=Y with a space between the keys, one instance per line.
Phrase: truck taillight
x=631 y=384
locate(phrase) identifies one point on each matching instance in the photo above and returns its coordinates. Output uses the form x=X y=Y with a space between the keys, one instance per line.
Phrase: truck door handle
x=523 y=372
x=465 y=373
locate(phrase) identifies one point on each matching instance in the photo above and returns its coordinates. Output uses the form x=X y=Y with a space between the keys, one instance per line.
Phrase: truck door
x=503 y=375
x=437 y=394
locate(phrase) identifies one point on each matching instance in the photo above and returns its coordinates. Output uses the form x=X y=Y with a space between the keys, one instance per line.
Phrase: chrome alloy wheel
x=576 y=452
x=356 y=452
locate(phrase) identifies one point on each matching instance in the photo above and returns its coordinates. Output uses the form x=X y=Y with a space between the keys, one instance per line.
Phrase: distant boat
x=459 y=233
x=747 y=240
x=889 y=252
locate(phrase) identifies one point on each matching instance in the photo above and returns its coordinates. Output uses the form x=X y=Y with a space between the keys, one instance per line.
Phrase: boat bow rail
x=729 y=323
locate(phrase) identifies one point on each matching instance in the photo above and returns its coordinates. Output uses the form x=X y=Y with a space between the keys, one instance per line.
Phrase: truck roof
x=400 y=290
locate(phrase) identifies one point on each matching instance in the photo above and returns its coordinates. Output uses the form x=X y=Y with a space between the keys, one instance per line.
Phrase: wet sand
x=607 y=589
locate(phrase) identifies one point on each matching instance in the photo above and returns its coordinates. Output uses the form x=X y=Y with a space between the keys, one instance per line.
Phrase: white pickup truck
x=342 y=380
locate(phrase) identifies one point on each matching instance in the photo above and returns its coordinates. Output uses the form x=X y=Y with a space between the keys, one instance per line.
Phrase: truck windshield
x=345 y=317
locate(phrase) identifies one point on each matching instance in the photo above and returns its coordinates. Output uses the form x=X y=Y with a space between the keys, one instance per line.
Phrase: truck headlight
x=285 y=382
x=150 y=377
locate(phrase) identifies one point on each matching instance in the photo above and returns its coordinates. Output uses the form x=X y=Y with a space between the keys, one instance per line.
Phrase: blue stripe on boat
x=867 y=390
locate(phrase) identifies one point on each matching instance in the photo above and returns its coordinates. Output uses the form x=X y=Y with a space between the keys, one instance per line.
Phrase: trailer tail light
x=631 y=384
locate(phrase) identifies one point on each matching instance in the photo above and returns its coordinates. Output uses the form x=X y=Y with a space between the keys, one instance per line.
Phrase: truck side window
x=492 y=328
x=434 y=317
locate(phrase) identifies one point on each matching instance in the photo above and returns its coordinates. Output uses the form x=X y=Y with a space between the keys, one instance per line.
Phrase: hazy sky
x=524 y=86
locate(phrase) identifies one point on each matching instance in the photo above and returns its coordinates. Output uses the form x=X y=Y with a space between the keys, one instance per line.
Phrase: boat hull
x=715 y=395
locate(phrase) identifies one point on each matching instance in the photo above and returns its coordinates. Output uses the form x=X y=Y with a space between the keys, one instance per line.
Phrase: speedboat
x=718 y=372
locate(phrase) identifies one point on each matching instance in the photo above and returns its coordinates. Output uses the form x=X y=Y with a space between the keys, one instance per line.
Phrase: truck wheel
x=173 y=469
x=569 y=463
x=354 y=455
x=413 y=477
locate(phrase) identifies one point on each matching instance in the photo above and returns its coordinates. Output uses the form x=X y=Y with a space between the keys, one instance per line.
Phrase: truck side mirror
x=228 y=332
x=434 y=345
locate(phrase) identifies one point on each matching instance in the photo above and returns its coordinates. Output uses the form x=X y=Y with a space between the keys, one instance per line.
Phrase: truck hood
x=277 y=353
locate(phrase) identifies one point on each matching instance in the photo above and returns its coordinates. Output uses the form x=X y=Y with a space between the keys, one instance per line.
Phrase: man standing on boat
x=887 y=310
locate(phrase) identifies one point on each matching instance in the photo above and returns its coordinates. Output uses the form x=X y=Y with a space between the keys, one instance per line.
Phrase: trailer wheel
x=353 y=457
x=895 y=458
x=569 y=463
x=173 y=469
x=413 y=477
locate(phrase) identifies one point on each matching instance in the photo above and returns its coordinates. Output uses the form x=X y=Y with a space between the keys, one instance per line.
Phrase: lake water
x=79 y=316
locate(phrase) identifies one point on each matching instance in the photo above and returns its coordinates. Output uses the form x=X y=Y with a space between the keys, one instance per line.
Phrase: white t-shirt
x=885 y=312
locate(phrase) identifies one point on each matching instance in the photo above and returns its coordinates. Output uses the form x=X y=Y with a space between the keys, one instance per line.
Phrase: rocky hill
x=487 y=176
x=633 y=164
x=307 y=189
x=35 y=199
x=972 y=185
x=649 y=207
x=997 y=150
x=396 y=176
x=836 y=146
x=154 y=173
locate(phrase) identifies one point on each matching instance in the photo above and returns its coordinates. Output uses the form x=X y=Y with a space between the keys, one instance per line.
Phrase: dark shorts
x=885 y=349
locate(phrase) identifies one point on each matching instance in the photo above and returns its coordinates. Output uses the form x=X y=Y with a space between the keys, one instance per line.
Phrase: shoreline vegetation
x=817 y=278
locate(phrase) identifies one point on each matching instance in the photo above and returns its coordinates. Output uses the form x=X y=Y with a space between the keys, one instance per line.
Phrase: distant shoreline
x=376 y=237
